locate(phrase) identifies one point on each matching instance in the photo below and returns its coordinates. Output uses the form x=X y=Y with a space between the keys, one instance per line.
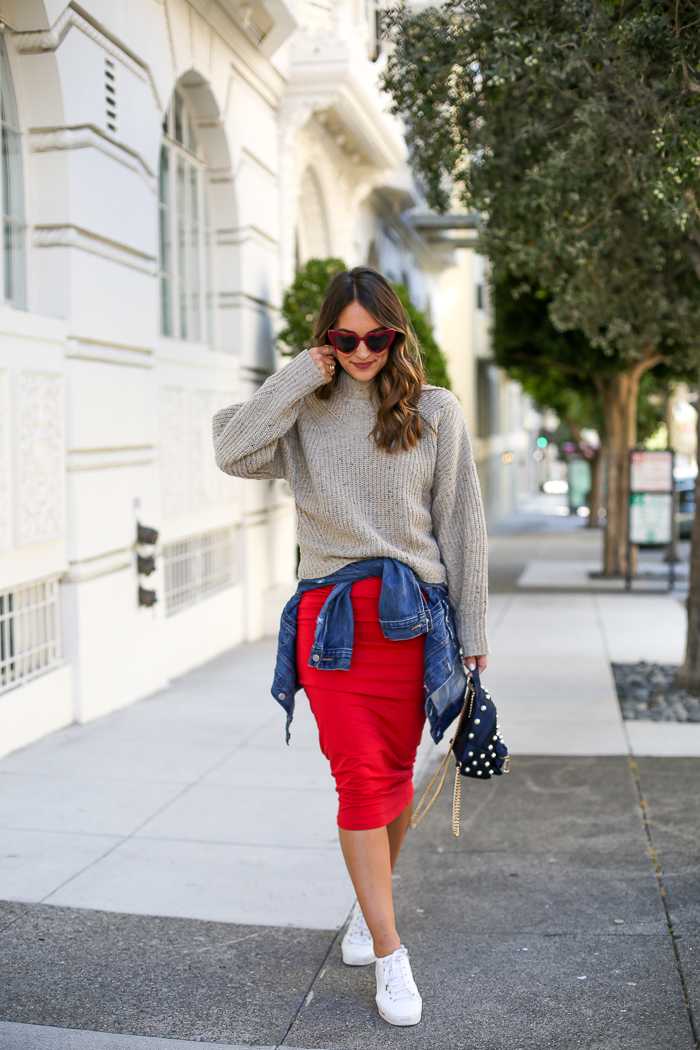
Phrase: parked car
x=685 y=487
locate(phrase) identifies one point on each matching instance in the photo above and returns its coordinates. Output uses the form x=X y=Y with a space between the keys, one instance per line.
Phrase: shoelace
x=395 y=975
x=359 y=931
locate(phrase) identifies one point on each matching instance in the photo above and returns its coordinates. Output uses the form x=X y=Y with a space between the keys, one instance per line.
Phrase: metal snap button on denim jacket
x=403 y=613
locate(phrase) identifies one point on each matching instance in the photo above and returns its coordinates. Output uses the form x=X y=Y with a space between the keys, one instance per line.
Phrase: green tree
x=558 y=371
x=560 y=122
x=302 y=301
x=433 y=357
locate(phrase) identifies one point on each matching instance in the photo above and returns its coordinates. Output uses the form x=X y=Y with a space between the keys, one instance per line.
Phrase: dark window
x=487 y=399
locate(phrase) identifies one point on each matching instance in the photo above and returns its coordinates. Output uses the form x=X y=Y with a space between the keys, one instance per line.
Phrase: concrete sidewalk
x=173 y=871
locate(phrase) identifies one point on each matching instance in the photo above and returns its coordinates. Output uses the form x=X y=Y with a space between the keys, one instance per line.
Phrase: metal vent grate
x=197 y=567
x=111 y=94
x=30 y=632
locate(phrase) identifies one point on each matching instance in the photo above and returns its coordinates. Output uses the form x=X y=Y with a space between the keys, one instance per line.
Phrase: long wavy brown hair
x=399 y=384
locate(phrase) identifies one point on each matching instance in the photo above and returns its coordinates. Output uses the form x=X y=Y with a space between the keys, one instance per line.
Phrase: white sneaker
x=357 y=944
x=398 y=999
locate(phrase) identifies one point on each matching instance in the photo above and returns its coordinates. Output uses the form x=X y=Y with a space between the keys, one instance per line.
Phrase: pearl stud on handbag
x=477 y=746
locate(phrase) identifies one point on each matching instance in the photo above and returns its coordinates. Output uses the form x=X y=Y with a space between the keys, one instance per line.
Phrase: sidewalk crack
x=662 y=892
x=308 y=994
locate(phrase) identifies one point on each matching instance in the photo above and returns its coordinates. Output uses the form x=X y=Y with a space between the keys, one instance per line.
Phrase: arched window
x=312 y=231
x=13 y=223
x=185 y=238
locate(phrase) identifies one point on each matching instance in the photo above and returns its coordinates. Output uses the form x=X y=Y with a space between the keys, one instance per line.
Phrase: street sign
x=651 y=517
x=651 y=471
x=651 y=506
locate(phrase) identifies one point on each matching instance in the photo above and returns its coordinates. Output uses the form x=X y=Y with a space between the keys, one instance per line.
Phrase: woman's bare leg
x=397 y=833
x=370 y=857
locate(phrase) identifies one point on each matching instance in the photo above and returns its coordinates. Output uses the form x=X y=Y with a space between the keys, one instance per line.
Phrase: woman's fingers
x=471 y=661
x=325 y=361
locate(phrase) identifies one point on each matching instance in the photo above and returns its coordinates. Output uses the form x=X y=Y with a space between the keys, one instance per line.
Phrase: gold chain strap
x=442 y=768
x=456 y=803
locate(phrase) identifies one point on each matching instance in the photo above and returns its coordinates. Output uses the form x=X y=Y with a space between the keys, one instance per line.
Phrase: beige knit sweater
x=355 y=501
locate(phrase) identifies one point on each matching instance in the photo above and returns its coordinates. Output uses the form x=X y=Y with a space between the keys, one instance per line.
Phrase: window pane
x=191 y=139
x=193 y=263
x=165 y=244
x=12 y=184
x=13 y=263
x=164 y=175
x=177 y=122
x=181 y=246
x=7 y=91
x=209 y=298
x=166 y=306
x=185 y=264
x=166 y=265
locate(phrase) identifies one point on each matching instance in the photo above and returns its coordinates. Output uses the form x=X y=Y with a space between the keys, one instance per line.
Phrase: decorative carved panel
x=41 y=457
x=190 y=476
x=209 y=484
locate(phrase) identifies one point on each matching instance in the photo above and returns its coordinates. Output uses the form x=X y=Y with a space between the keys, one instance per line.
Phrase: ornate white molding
x=101 y=565
x=333 y=75
x=42 y=40
x=242 y=300
x=190 y=479
x=241 y=234
x=45 y=140
x=108 y=458
x=109 y=353
x=75 y=237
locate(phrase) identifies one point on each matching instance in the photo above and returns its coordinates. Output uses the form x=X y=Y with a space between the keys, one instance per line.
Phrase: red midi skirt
x=370 y=717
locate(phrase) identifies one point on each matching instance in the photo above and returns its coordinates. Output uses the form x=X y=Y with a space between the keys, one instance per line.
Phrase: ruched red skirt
x=370 y=718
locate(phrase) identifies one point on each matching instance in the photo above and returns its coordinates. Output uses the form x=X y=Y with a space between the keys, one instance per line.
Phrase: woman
x=392 y=573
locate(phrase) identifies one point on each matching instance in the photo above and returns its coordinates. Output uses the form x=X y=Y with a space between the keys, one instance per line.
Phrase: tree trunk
x=620 y=410
x=619 y=397
x=596 y=493
x=689 y=675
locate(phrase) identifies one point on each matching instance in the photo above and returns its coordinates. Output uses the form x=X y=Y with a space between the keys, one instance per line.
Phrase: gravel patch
x=647 y=693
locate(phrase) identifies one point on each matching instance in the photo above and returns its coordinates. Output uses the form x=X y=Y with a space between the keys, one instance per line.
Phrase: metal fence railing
x=197 y=567
x=30 y=632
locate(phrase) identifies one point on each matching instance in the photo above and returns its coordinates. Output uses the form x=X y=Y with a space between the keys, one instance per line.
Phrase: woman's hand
x=471 y=661
x=324 y=359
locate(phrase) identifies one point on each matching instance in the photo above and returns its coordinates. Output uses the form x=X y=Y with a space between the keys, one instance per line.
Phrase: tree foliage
x=573 y=127
x=557 y=368
x=433 y=357
x=302 y=301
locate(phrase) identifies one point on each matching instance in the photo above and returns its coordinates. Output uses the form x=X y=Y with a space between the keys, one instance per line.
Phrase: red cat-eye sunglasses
x=348 y=342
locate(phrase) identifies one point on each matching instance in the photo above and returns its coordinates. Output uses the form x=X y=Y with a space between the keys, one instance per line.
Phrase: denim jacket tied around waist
x=404 y=612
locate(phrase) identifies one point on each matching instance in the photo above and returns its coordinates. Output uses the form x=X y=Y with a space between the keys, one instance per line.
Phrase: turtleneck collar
x=348 y=386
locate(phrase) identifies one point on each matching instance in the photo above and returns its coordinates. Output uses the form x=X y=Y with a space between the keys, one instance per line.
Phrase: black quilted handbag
x=477 y=746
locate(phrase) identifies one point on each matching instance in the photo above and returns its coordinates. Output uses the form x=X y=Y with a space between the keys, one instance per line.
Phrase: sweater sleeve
x=460 y=528
x=247 y=436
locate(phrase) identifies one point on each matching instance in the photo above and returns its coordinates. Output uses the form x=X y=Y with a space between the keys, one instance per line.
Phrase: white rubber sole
x=355 y=958
x=399 y=1022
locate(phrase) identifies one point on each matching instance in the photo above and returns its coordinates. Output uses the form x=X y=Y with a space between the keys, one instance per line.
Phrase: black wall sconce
x=147 y=598
x=146 y=563
x=146 y=535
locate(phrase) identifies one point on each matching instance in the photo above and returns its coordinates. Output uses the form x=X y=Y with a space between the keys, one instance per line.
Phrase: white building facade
x=166 y=164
